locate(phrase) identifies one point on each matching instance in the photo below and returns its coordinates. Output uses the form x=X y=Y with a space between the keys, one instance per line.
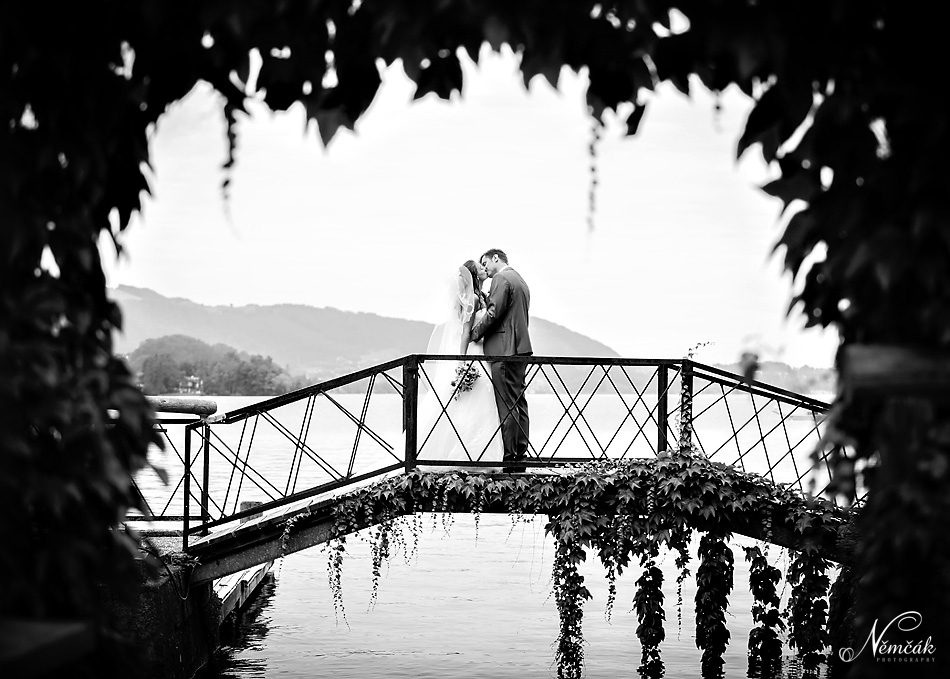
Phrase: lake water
x=463 y=607
x=466 y=604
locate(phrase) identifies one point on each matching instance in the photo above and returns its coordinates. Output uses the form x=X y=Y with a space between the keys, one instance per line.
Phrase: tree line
x=163 y=365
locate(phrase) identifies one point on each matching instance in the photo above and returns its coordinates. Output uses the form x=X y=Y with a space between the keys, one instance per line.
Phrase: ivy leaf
x=160 y=472
x=611 y=85
x=329 y=120
x=534 y=64
x=804 y=521
x=798 y=185
x=674 y=58
x=442 y=77
x=800 y=237
x=762 y=120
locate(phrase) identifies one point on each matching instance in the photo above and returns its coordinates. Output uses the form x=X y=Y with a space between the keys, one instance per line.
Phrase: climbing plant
x=808 y=609
x=713 y=584
x=627 y=512
x=847 y=111
x=765 y=642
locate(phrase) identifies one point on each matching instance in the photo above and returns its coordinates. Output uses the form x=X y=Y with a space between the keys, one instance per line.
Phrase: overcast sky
x=680 y=252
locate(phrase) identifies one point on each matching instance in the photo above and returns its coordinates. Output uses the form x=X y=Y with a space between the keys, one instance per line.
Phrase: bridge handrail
x=244 y=412
x=738 y=381
x=758 y=388
x=239 y=414
x=693 y=380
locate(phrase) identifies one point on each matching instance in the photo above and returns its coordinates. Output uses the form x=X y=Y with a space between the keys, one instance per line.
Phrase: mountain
x=318 y=342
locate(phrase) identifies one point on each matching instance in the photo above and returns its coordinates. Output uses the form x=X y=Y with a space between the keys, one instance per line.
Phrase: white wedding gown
x=468 y=429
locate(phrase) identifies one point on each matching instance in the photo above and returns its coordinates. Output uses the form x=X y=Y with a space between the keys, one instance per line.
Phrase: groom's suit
x=505 y=329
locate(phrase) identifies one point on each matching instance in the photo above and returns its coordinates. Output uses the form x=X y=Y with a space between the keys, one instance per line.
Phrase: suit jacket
x=505 y=323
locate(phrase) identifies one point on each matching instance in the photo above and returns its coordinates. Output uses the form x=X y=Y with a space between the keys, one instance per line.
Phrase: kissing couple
x=470 y=413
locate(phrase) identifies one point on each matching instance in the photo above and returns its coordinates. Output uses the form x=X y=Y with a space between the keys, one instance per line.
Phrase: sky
x=680 y=253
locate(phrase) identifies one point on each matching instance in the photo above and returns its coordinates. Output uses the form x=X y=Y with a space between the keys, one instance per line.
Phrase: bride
x=457 y=425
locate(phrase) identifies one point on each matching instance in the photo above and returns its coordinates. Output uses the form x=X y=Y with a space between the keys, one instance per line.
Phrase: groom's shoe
x=515 y=469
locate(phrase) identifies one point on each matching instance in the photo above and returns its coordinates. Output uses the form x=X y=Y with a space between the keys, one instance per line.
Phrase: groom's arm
x=499 y=297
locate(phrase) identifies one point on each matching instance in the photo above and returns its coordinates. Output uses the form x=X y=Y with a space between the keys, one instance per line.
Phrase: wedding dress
x=452 y=424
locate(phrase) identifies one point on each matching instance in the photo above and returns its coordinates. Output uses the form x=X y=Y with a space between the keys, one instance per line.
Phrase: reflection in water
x=465 y=605
x=242 y=638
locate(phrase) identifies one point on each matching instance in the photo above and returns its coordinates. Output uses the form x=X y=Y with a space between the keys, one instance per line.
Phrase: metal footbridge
x=239 y=479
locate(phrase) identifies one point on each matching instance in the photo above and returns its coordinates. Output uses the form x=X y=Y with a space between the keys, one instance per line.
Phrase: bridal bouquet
x=465 y=376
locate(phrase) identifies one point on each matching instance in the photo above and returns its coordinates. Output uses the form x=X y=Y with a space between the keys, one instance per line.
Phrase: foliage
x=841 y=620
x=162 y=374
x=569 y=595
x=73 y=431
x=713 y=584
x=765 y=643
x=808 y=608
x=846 y=111
x=224 y=371
x=620 y=510
x=648 y=603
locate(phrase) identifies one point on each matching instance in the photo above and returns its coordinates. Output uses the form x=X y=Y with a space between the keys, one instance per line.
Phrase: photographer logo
x=885 y=648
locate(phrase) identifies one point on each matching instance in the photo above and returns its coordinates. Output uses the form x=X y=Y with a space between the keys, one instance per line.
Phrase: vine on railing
x=622 y=510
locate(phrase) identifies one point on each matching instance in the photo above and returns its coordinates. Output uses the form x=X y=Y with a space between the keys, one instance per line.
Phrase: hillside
x=315 y=342
x=803 y=379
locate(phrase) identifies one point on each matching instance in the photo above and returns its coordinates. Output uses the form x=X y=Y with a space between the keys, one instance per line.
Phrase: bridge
x=249 y=476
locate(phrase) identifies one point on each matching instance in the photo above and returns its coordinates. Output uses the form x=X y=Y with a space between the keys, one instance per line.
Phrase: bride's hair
x=473 y=269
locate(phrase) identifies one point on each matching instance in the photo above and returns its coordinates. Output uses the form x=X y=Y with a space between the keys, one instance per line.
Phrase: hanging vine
x=808 y=609
x=713 y=584
x=648 y=602
x=841 y=620
x=570 y=593
x=765 y=643
x=679 y=541
x=596 y=132
x=624 y=510
x=337 y=550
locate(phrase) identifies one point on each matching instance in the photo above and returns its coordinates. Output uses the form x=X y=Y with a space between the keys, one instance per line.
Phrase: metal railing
x=163 y=500
x=162 y=484
x=364 y=425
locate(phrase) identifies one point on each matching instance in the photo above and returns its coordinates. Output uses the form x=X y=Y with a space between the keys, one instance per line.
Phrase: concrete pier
x=175 y=624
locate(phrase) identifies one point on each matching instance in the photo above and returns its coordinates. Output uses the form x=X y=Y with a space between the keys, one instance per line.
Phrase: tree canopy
x=847 y=109
x=163 y=362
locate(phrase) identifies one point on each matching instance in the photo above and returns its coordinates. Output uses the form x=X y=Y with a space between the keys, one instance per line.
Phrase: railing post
x=662 y=407
x=187 y=509
x=206 y=475
x=686 y=405
x=410 y=402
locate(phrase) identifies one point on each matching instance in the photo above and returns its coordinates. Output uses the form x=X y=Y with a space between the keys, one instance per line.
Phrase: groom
x=505 y=329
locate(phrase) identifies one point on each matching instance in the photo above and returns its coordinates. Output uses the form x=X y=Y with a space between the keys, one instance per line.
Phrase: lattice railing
x=334 y=434
x=296 y=446
x=758 y=428
x=162 y=485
